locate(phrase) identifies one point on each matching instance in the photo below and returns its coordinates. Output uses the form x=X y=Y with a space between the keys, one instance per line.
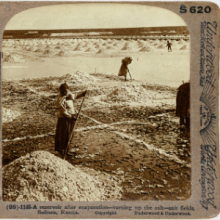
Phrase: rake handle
x=71 y=136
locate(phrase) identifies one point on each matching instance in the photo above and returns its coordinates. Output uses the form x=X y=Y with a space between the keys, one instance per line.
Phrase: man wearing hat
x=124 y=67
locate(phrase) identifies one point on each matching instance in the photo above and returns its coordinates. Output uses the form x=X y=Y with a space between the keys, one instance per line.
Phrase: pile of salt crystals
x=13 y=58
x=102 y=51
x=8 y=115
x=127 y=93
x=41 y=176
x=80 y=77
x=145 y=49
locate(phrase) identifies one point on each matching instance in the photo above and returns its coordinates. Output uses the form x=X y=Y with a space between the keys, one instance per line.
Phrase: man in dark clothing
x=169 y=46
x=183 y=104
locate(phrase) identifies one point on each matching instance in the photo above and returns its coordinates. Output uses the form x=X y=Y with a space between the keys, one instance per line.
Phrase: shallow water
x=154 y=67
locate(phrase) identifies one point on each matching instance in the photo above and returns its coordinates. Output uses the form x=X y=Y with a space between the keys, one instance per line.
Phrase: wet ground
x=142 y=145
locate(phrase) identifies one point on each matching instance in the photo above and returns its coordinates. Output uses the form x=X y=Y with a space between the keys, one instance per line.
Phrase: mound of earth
x=162 y=46
x=47 y=47
x=47 y=52
x=86 y=45
x=145 y=49
x=126 y=47
x=90 y=49
x=110 y=48
x=5 y=54
x=102 y=51
x=33 y=49
x=98 y=47
x=61 y=53
x=78 y=48
x=80 y=77
x=39 y=50
x=183 y=47
x=58 y=47
x=141 y=43
x=29 y=49
x=41 y=176
x=107 y=77
x=127 y=93
x=13 y=58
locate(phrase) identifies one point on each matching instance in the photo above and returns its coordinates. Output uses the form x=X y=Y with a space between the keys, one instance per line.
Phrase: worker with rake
x=66 y=118
x=124 y=67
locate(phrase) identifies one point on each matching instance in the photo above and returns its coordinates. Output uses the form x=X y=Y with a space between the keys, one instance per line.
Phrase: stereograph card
x=109 y=110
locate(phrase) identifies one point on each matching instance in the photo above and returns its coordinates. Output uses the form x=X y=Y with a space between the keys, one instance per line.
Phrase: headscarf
x=131 y=58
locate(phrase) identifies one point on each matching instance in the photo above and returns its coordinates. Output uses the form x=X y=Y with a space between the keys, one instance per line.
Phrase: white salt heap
x=41 y=176
x=8 y=115
x=80 y=77
x=127 y=93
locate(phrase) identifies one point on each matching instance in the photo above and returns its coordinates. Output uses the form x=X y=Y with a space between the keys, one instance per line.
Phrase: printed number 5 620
x=194 y=9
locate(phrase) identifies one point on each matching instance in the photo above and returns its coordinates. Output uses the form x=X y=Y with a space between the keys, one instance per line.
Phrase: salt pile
x=39 y=50
x=162 y=46
x=61 y=53
x=47 y=52
x=90 y=49
x=140 y=43
x=97 y=46
x=127 y=46
x=127 y=93
x=183 y=47
x=78 y=47
x=85 y=45
x=32 y=48
x=9 y=115
x=41 y=176
x=13 y=58
x=102 y=51
x=110 y=48
x=47 y=47
x=58 y=47
x=80 y=77
x=145 y=49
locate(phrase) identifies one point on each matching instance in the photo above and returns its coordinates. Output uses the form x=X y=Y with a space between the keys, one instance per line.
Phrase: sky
x=88 y=15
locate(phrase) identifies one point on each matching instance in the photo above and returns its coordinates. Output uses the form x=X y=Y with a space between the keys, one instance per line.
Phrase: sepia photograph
x=96 y=104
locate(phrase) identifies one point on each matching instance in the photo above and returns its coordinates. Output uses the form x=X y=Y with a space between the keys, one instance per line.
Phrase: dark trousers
x=185 y=121
x=63 y=131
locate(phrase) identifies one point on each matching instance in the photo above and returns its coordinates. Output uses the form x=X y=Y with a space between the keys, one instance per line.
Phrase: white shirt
x=65 y=107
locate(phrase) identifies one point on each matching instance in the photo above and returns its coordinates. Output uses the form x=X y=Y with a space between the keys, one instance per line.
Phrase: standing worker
x=183 y=104
x=169 y=46
x=124 y=67
x=66 y=117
